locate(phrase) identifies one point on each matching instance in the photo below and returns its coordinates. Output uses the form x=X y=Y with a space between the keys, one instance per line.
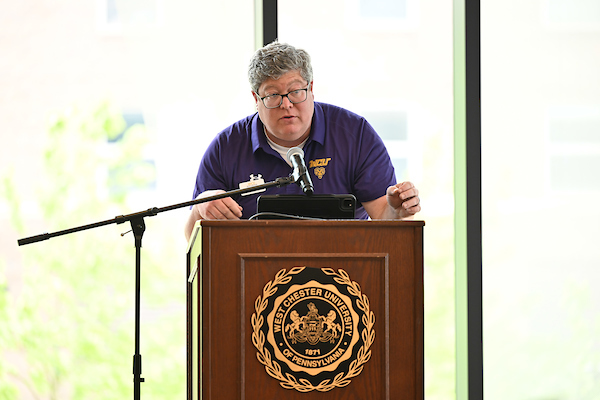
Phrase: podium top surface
x=340 y=222
x=280 y=223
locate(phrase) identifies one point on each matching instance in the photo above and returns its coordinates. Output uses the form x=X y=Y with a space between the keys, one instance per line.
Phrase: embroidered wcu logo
x=319 y=166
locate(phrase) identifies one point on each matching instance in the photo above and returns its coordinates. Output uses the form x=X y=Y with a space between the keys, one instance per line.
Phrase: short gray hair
x=275 y=60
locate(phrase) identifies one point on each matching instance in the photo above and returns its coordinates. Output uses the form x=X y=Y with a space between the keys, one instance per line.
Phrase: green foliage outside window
x=68 y=331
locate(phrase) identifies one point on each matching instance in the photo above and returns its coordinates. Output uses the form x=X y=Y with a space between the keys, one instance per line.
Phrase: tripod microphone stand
x=138 y=227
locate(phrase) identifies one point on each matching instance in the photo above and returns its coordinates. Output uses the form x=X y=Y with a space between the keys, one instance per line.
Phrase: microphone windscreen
x=293 y=151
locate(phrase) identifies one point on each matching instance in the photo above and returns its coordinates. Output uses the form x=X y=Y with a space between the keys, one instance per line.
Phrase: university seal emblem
x=312 y=328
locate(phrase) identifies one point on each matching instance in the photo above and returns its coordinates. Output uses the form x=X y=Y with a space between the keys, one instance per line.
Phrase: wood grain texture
x=240 y=257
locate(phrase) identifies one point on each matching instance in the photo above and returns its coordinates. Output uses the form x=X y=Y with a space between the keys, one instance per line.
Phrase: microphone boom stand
x=138 y=227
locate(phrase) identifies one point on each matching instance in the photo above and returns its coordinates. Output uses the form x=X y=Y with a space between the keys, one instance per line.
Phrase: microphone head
x=293 y=151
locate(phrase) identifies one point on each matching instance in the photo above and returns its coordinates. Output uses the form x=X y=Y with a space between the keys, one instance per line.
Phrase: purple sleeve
x=374 y=171
x=210 y=172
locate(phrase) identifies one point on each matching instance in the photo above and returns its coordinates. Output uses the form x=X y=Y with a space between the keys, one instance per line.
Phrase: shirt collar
x=257 y=134
x=318 y=125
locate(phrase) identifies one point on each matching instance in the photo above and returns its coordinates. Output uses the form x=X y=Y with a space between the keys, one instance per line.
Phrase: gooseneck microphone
x=300 y=174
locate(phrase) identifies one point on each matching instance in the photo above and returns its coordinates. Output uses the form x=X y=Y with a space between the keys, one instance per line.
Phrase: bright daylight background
x=541 y=158
x=106 y=107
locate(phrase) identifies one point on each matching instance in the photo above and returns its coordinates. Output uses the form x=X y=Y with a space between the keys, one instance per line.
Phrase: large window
x=541 y=157
x=71 y=70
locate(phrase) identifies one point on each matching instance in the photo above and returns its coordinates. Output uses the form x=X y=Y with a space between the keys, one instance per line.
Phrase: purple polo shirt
x=344 y=155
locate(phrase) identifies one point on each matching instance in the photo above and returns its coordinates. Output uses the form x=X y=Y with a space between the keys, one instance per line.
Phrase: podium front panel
x=258 y=277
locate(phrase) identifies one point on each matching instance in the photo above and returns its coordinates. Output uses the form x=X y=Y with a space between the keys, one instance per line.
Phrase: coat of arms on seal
x=312 y=328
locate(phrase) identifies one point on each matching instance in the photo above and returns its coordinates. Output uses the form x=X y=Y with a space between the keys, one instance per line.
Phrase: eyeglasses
x=275 y=100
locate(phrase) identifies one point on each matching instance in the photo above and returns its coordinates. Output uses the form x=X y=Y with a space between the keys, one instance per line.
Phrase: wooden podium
x=305 y=310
